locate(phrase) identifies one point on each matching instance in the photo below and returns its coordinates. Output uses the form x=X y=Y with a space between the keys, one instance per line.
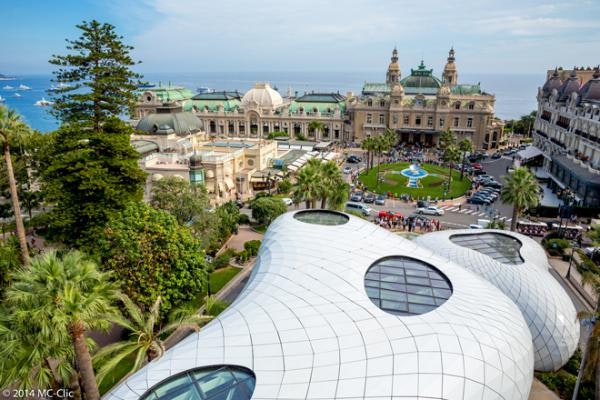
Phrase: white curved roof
x=305 y=326
x=262 y=96
x=546 y=307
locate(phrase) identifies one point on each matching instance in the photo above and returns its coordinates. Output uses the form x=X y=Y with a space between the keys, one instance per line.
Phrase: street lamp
x=578 y=241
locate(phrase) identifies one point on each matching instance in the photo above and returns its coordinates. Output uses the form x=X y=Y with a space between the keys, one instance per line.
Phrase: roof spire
x=451 y=54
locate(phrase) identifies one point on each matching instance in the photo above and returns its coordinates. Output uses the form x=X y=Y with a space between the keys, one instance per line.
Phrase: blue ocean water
x=515 y=93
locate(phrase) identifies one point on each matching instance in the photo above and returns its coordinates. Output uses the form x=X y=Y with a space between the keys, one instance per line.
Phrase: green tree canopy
x=266 y=209
x=98 y=82
x=151 y=255
x=176 y=196
x=90 y=176
x=521 y=190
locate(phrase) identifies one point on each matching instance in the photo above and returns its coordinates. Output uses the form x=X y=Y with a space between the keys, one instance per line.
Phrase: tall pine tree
x=91 y=172
x=95 y=79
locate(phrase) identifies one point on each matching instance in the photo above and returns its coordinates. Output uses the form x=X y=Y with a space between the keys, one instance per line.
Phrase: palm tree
x=465 y=146
x=381 y=145
x=145 y=341
x=450 y=156
x=31 y=357
x=11 y=127
x=520 y=190
x=316 y=126
x=307 y=186
x=368 y=144
x=329 y=176
x=338 y=195
x=65 y=294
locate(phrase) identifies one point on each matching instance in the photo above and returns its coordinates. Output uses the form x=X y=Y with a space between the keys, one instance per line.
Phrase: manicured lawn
x=220 y=277
x=432 y=185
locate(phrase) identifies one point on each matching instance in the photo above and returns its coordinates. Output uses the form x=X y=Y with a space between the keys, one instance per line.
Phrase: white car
x=430 y=210
x=347 y=170
x=288 y=202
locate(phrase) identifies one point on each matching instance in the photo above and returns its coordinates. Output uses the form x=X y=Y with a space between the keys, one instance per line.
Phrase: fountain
x=414 y=172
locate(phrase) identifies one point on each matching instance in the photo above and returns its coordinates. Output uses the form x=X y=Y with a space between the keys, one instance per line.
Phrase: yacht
x=16 y=95
x=2 y=99
x=23 y=87
x=60 y=86
x=7 y=87
x=204 y=89
x=43 y=103
x=6 y=78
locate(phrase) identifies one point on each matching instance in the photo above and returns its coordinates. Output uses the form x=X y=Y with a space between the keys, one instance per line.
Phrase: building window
x=429 y=121
x=406 y=121
x=456 y=120
x=369 y=118
x=469 y=122
x=418 y=120
x=395 y=118
x=382 y=119
x=441 y=122
x=396 y=101
x=471 y=105
x=382 y=103
x=457 y=105
x=370 y=103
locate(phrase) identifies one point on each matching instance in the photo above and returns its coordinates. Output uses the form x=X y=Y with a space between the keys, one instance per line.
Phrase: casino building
x=418 y=107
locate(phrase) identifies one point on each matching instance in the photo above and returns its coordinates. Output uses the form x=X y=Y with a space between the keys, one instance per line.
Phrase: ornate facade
x=421 y=106
x=418 y=108
x=567 y=130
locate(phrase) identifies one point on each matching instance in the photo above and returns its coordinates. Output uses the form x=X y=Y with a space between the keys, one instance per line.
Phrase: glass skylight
x=213 y=383
x=405 y=286
x=321 y=217
x=502 y=248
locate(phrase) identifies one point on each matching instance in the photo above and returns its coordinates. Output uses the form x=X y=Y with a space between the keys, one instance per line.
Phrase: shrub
x=243 y=257
x=560 y=382
x=222 y=260
x=284 y=186
x=243 y=219
x=251 y=247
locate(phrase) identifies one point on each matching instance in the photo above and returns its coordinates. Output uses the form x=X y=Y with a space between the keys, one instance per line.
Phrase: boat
x=7 y=78
x=16 y=95
x=43 y=103
x=60 y=86
x=204 y=89
x=2 y=99
x=7 y=87
x=23 y=87
x=146 y=86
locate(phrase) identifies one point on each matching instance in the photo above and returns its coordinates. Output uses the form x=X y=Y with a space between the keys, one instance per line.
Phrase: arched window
x=382 y=103
x=457 y=105
x=370 y=103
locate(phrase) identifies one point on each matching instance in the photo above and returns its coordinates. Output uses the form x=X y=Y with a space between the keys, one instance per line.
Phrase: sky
x=489 y=36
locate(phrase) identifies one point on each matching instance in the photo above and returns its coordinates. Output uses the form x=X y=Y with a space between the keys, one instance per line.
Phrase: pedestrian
x=460 y=207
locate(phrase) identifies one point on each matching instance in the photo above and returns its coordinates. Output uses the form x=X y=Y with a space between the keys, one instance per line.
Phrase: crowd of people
x=408 y=224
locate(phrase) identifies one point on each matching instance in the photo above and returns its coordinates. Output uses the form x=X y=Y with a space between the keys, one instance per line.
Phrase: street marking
x=469 y=211
x=453 y=209
x=464 y=211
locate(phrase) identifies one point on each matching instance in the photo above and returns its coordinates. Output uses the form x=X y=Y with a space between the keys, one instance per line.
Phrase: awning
x=529 y=153
x=229 y=183
x=292 y=168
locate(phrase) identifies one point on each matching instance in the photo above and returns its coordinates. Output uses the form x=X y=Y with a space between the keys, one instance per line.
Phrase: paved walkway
x=244 y=234
x=540 y=392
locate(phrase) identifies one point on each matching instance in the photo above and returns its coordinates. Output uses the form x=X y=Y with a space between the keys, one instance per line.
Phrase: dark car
x=479 y=172
x=417 y=217
x=496 y=156
x=369 y=198
x=492 y=184
x=239 y=204
x=380 y=200
x=353 y=159
x=478 y=200
x=356 y=196
x=422 y=203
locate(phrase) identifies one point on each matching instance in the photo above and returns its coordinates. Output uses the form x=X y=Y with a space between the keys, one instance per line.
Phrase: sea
x=515 y=93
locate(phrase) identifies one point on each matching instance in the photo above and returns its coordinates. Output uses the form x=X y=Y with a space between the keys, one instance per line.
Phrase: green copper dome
x=421 y=80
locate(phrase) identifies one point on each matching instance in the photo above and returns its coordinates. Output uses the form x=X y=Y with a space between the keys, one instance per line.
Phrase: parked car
x=352 y=159
x=361 y=208
x=369 y=198
x=475 y=226
x=430 y=210
x=496 y=156
x=347 y=170
x=477 y=172
x=239 y=204
x=478 y=200
x=288 y=202
x=422 y=204
x=476 y=165
x=493 y=184
x=356 y=196
x=380 y=200
x=417 y=217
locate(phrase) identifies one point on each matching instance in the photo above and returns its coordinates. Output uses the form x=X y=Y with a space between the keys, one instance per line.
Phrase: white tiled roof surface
x=546 y=307
x=307 y=329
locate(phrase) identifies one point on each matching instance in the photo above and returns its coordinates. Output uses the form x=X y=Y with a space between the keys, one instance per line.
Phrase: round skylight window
x=406 y=286
x=321 y=217
x=211 y=383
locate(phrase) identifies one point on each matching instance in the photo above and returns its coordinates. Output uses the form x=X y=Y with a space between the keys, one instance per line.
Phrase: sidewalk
x=584 y=293
x=540 y=392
